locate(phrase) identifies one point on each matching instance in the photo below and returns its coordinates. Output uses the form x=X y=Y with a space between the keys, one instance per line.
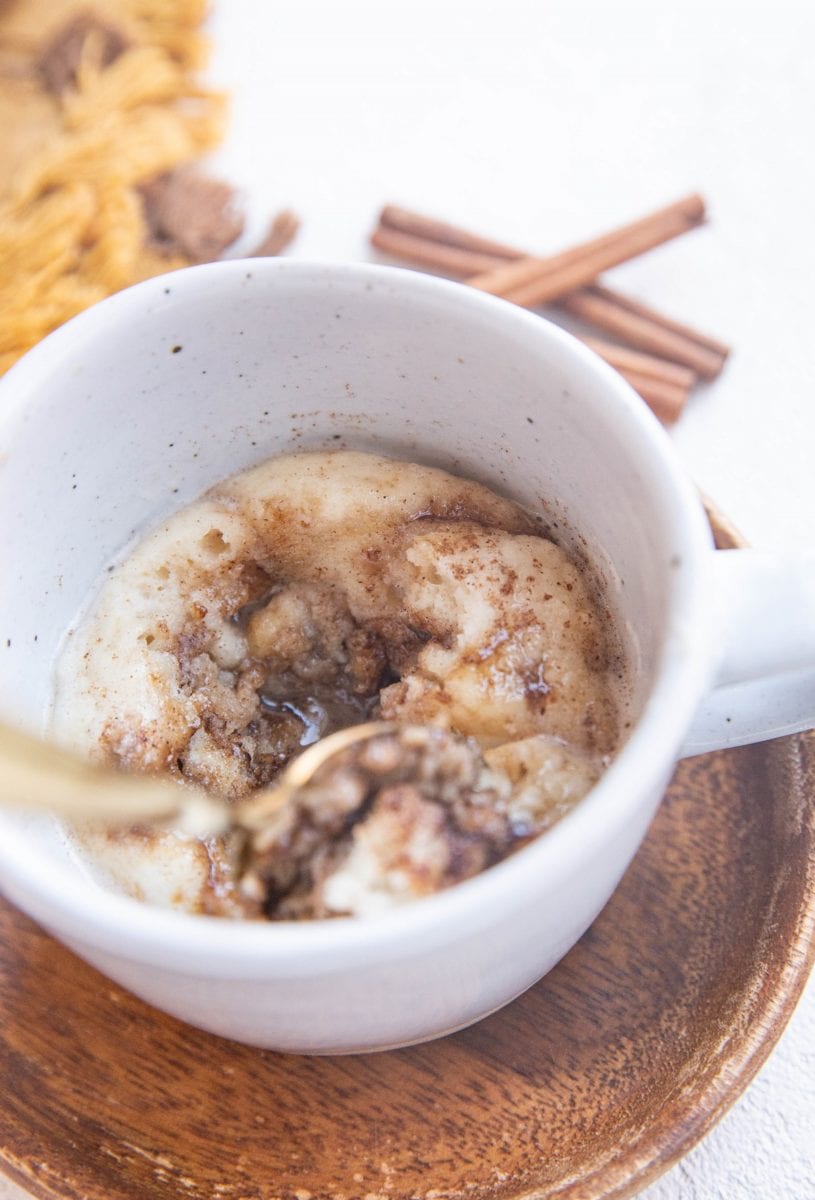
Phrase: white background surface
x=541 y=122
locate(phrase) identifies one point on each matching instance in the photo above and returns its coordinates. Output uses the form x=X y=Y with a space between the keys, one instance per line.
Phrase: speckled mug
x=141 y=403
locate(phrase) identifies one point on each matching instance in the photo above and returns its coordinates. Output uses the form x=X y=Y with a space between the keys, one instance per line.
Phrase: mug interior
x=137 y=406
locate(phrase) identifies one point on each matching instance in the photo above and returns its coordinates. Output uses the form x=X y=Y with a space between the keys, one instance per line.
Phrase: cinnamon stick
x=665 y=396
x=633 y=322
x=406 y=221
x=666 y=400
x=643 y=364
x=539 y=280
x=439 y=256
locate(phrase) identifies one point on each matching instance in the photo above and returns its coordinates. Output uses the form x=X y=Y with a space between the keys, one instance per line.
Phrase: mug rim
x=70 y=904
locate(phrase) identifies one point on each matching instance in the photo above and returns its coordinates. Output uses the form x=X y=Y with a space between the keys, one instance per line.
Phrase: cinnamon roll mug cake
x=329 y=494
x=309 y=594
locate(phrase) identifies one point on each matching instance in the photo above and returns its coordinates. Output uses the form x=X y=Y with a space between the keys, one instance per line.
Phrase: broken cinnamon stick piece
x=533 y=281
x=648 y=365
x=280 y=234
x=188 y=213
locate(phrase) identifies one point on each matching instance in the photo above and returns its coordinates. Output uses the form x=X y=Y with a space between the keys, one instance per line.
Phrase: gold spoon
x=37 y=775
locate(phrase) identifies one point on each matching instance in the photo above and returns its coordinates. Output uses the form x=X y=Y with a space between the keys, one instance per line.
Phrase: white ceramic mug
x=141 y=403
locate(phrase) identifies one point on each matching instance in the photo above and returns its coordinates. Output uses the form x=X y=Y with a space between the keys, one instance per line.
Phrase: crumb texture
x=317 y=591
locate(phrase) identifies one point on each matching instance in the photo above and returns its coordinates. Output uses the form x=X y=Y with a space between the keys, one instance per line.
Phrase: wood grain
x=588 y=1086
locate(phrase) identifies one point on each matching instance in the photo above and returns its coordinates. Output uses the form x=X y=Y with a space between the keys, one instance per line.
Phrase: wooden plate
x=590 y=1085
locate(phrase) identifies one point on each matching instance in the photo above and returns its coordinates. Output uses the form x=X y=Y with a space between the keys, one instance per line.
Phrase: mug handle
x=765 y=683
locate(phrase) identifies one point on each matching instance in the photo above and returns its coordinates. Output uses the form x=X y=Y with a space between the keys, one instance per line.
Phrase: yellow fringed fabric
x=72 y=230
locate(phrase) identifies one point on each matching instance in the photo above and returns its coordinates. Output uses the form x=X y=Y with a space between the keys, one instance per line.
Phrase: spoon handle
x=37 y=775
